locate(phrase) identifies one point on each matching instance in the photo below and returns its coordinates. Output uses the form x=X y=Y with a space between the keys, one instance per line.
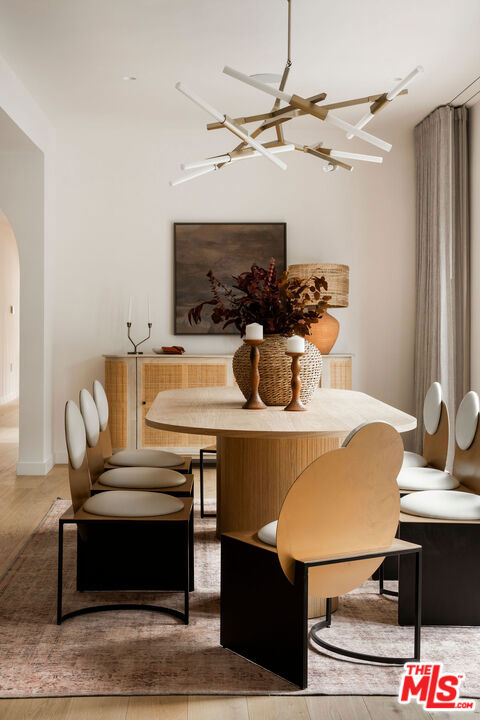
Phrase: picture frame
x=228 y=249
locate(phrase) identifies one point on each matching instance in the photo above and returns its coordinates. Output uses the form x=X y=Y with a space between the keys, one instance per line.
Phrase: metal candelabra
x=135 y=345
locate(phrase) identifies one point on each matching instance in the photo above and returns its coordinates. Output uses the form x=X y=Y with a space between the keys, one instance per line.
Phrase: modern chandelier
x=277 y=117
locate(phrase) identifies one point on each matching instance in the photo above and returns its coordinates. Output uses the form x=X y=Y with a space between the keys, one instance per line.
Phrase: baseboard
x=61 y=457
x=31 y=467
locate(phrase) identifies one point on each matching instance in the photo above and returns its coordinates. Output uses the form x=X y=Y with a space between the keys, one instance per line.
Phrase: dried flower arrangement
x=284 y=306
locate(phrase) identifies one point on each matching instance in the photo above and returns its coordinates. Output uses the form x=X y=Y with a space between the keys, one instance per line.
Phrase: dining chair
x=212 y=449
x=141 y=457
x=126 y=540
x=435 y=440
x=337 y=523
x=414 y=479
x=447 y=524
x=126 y=478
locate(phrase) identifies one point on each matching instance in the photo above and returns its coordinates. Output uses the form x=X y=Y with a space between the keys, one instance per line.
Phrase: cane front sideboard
x=132 y=383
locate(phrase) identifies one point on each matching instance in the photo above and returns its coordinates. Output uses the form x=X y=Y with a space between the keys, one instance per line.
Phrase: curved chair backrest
x=435 y=420
x=466 y=463
x=345 y=501
x=91 y=420
x=76 y=438
x=101 y=401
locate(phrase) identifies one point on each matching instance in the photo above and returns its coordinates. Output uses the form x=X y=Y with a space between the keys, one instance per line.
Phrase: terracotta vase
x=275 y=371
x=324 y=333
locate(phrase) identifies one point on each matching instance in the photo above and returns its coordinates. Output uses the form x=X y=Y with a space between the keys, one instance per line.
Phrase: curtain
x=442 y=337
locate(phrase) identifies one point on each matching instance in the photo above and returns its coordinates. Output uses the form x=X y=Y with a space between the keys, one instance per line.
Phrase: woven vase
x=275 y=371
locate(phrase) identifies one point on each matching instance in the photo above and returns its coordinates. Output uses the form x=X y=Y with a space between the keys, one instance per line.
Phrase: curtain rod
x=464 y=89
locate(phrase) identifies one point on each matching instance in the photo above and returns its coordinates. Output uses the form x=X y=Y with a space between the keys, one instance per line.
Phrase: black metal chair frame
x=187 y=572
x=256 y=597
x=383 y=591
x=202 y=498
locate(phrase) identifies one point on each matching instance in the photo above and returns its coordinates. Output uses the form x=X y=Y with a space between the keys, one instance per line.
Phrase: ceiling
x=72 y=54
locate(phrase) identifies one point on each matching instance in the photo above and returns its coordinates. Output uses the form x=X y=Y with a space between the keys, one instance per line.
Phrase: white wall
x=9 y=322
x=115 y=238
x=27 y=196
x=475 y=243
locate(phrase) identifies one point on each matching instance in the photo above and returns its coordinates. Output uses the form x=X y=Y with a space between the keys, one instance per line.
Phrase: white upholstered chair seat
x=129 y=503
x=442 y=505
x=145 y=458
x=142 y=478
x=411 y=459
x=268 y=533
x=416 y=478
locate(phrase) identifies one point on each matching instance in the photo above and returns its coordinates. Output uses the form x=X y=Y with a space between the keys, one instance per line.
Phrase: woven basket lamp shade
x=325 y=331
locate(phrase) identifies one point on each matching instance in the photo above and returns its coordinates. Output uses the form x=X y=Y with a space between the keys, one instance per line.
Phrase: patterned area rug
x=141 y=653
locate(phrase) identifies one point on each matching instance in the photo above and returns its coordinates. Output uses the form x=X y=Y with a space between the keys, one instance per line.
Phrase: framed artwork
x=227 y=249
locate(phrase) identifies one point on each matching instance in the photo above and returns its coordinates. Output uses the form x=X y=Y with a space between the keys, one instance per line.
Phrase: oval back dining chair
x=435 y=439
x=132 y=457
x=337 y=524
x=465 y=461
x=119 y=534
x=447 y=524
x=125 y=478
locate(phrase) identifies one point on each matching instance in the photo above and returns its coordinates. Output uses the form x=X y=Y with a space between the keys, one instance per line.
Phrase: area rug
x=143 y=653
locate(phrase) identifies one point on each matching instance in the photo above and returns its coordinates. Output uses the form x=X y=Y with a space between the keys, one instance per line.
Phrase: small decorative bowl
x=172 y=350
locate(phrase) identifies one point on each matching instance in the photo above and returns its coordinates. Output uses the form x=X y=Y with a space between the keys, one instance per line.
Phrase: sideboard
x=132 y=383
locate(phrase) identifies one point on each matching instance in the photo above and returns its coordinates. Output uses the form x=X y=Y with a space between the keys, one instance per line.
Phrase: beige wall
x=9 y=323
x=115 y=239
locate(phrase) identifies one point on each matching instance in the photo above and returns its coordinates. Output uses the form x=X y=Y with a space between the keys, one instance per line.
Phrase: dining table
x=260 y=453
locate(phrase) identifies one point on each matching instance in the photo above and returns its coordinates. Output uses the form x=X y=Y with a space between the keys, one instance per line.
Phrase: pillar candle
x=296 y=344
x=254 y=331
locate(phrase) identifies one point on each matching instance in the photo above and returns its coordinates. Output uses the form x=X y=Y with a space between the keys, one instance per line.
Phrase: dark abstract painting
x=227 y=249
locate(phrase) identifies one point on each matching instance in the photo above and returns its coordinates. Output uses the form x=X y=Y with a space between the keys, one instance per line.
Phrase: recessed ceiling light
x=129 y=77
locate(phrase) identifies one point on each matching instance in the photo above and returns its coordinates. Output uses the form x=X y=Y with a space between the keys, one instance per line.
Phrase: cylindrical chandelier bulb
x=255 y=144
x=220 y=159
x=361 y=123
x=192 y=176
x=356 y=156
x=205 y=163
x=200 y=102
x=343 y=125
x=228 y=124
x=403 y=83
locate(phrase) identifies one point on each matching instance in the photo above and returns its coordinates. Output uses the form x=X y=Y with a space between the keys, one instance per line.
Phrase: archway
x=22 y=200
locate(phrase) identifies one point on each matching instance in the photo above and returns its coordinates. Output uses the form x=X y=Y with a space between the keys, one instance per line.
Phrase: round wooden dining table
x=260 y=453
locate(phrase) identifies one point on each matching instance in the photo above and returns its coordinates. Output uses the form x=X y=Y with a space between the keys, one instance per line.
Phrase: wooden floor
x=23 y=503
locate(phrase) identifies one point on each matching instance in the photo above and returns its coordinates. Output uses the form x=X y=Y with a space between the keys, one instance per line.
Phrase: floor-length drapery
x=442 y=338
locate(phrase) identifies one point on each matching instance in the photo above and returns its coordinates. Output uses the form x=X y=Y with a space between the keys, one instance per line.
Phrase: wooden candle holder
x=295 y=404
x=254 y=402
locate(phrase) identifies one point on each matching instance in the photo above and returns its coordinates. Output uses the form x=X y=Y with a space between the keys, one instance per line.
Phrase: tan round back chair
x=336 y=526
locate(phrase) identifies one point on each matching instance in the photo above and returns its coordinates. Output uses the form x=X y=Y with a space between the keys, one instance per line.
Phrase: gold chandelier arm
x=358 y=101
x=287 y=110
